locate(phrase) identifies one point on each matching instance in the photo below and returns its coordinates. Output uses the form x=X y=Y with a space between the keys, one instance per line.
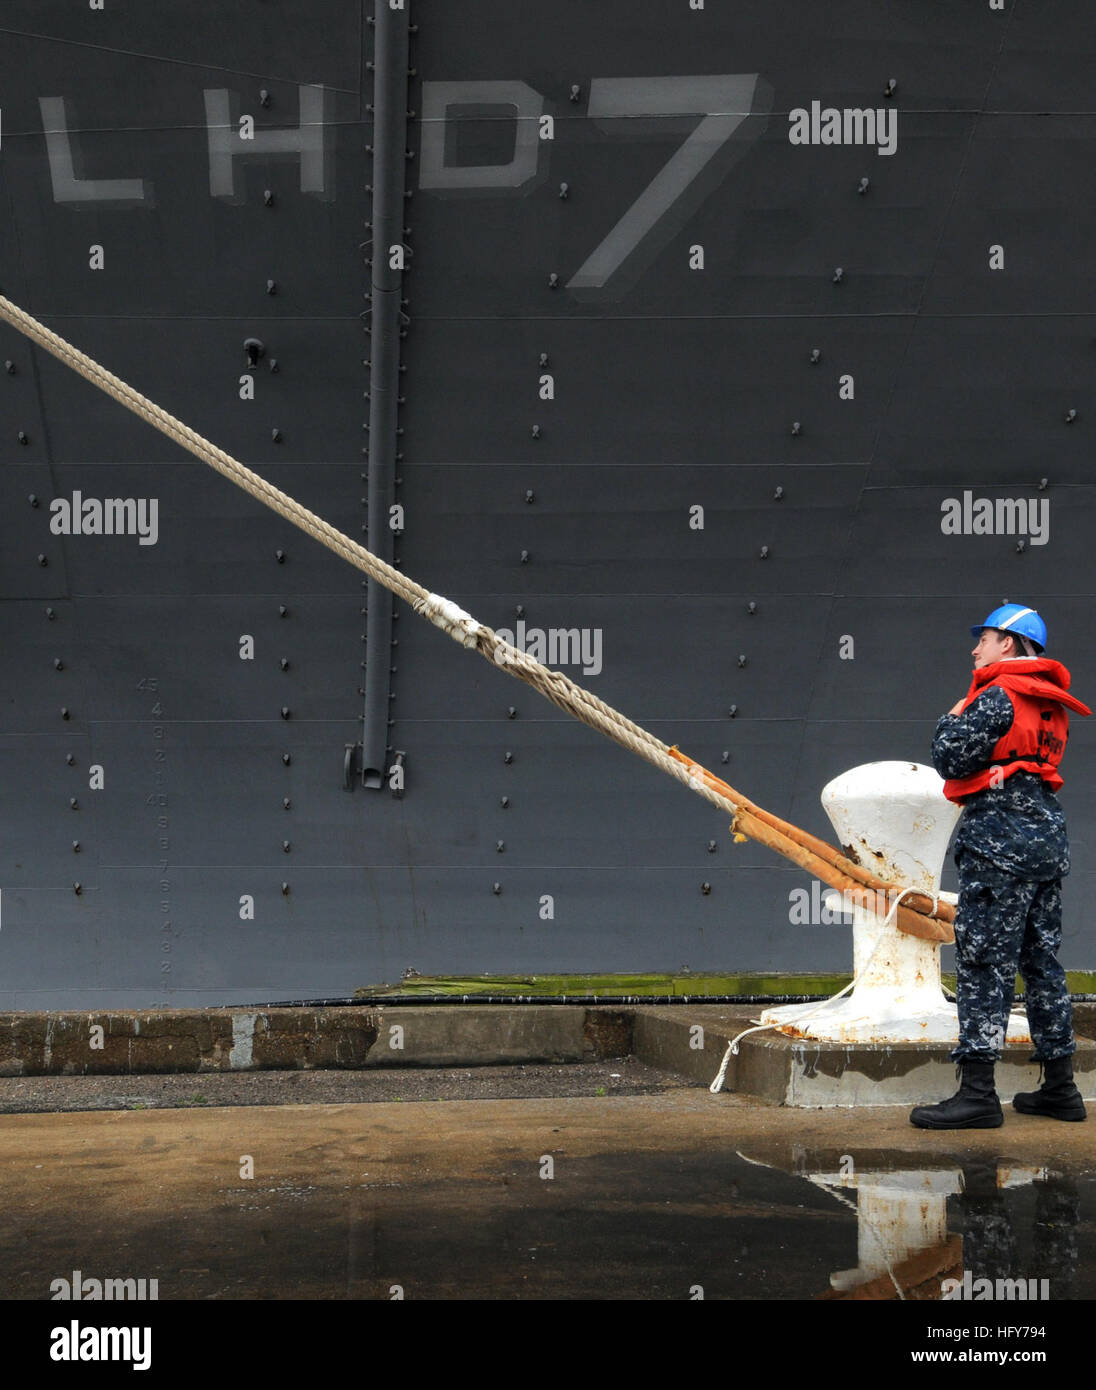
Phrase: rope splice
x=920 y=918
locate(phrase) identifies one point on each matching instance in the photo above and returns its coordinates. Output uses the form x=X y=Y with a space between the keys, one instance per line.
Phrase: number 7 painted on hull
x=723 y=102
x=711 y=110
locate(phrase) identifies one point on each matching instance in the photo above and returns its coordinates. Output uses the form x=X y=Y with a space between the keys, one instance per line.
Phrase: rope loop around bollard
x=732 y=1046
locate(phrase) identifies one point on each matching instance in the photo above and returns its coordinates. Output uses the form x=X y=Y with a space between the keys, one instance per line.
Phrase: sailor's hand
x=956 y=708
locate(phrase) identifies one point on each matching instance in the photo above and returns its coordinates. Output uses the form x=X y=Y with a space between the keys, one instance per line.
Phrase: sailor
x=999 y=749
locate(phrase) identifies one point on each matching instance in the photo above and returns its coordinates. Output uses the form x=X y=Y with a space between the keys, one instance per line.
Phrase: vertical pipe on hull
x=389 y=146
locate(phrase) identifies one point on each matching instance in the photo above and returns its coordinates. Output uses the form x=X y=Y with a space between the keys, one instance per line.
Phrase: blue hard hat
x=1014 y=617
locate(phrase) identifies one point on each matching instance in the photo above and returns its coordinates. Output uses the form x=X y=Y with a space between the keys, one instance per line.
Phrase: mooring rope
x=748 y=821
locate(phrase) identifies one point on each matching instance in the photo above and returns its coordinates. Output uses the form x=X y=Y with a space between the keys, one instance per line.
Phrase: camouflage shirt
x=1020 y=825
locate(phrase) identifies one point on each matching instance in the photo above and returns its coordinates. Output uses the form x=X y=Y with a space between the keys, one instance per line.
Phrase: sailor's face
x=991 y=647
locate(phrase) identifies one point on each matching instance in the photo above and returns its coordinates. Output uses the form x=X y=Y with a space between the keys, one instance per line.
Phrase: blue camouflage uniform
x=1011 y=853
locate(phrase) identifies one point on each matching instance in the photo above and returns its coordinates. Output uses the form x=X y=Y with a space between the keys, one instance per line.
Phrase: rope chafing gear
x=749 y=821
x=921 y=902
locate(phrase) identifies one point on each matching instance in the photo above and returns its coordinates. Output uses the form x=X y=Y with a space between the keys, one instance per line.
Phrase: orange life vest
x=1038 y=689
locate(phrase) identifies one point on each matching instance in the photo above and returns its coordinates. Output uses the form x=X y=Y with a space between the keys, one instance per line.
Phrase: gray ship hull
x=610 y=438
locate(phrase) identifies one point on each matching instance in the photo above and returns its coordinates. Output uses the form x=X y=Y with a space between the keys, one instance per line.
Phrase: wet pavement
x=672 y=1195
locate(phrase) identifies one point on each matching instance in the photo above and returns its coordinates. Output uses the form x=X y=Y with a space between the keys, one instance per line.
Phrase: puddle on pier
x=771 y=1221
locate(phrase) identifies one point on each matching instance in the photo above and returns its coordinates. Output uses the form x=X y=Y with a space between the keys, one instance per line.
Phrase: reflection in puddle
x=1004 y=1248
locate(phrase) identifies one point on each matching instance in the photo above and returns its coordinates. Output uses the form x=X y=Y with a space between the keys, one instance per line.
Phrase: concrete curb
x=689 y=1040
x=184 y=1040
x=799 y=1072
x=499 y=1035
x=205 y=1040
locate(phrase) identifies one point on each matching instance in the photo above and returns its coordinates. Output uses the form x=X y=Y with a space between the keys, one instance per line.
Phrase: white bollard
x=894 y=819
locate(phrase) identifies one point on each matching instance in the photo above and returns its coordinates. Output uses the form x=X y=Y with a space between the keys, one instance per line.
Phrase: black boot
x=974 y=1105
x=1057 y=1097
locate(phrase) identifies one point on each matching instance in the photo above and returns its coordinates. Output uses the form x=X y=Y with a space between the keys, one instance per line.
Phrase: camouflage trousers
x=1004 y=924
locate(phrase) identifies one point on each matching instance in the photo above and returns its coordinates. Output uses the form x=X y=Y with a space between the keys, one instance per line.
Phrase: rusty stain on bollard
x=894 y=817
